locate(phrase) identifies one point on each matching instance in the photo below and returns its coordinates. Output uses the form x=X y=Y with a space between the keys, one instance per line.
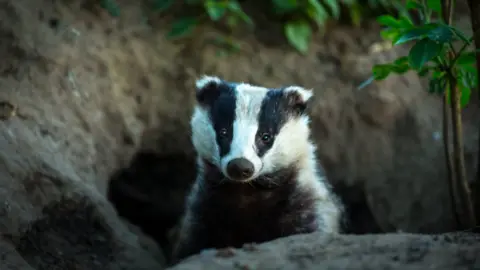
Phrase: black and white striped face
x=248 y=130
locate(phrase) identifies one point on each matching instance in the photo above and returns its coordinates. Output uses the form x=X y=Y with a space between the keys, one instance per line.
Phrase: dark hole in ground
x=358 y=219
x=150 y=192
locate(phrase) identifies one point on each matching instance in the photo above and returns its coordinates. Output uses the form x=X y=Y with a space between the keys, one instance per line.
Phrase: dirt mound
x=57 y=149
x=388 y=251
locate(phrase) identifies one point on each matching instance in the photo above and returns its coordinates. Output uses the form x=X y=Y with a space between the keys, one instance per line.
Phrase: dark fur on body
x=253 y=212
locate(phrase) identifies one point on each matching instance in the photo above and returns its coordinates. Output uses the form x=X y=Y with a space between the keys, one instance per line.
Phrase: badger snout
x=240 y=169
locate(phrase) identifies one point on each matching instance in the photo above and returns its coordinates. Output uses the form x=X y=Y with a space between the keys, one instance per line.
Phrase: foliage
x=434 y=39
x=452 y=73
x=300 y=17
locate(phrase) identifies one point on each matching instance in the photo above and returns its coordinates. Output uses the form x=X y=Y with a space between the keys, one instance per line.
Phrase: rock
x=52 y=217
x=54 y=157
x=388 y=251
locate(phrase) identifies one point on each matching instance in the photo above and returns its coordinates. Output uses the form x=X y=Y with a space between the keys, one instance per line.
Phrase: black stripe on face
x=222 y=114
x=273 y=115
x=277 y=107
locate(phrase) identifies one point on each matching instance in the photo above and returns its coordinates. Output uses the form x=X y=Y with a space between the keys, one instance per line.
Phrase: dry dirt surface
x=95 y=155
x=316 y=251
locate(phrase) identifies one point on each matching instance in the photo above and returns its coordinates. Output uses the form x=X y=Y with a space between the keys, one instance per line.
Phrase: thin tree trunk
x=463 y=195
x=451 y=178
x=474 y=6
x=452 y=181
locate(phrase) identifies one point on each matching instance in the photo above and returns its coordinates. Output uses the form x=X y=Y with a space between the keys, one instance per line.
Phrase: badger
x=258 y=178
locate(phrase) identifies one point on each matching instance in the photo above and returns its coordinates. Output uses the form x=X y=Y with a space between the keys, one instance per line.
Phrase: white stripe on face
x=248 y=105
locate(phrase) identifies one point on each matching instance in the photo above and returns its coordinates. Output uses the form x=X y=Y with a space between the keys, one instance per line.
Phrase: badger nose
x=240 y=168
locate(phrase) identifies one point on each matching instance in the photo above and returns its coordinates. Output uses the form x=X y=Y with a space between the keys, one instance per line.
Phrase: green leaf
x=442 y=33
x=402 y=10
x=465 y=93
x=467 y=77
x=162 y=5
x=438 y=74
x=467 y=58
x=434 y=86
x=298 y=34
x=414 y=4
x=401 y=65
x=406 y=22
x=389 y=21
x=393 y=23
x=285 y=6
x=415 y=33
x=468 y=68
x=380 y=72
x=422 y=52
x=182 y=27
x=235 y=7
x=390 y=34
x=400 y=69
x=245 y=18
x=334 y=7
x=215 y=9
x=111 y=6
x=401 y=61
x=474 y=82
x=435 y=31
x=435 y=5
x=464 y=86
x=317 y=12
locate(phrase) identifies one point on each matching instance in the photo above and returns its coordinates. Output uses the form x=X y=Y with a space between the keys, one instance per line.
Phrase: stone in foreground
x=317 y=251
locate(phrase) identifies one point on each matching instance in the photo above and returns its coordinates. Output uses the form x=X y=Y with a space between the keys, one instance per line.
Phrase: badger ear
x=207 y=89
x=298 y=98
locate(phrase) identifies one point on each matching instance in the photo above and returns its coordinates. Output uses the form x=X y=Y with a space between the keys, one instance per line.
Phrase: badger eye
x=223 y=132
x=266 y=138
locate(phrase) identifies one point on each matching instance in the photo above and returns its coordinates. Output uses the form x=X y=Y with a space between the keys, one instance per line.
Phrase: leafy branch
x=452 y=74
x=299 y=17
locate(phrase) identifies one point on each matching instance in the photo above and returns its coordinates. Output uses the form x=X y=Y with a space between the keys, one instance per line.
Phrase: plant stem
x=460 y=180
x=451 y=179
x=474 y=6
x=446 y=144
x=462 y=49
x=447 y=8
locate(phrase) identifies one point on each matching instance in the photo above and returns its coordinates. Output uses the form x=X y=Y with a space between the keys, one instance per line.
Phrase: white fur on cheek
x=203 y=136
x=290 y=144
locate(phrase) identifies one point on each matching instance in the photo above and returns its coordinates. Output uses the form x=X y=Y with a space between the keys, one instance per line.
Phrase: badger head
x=247 y=131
